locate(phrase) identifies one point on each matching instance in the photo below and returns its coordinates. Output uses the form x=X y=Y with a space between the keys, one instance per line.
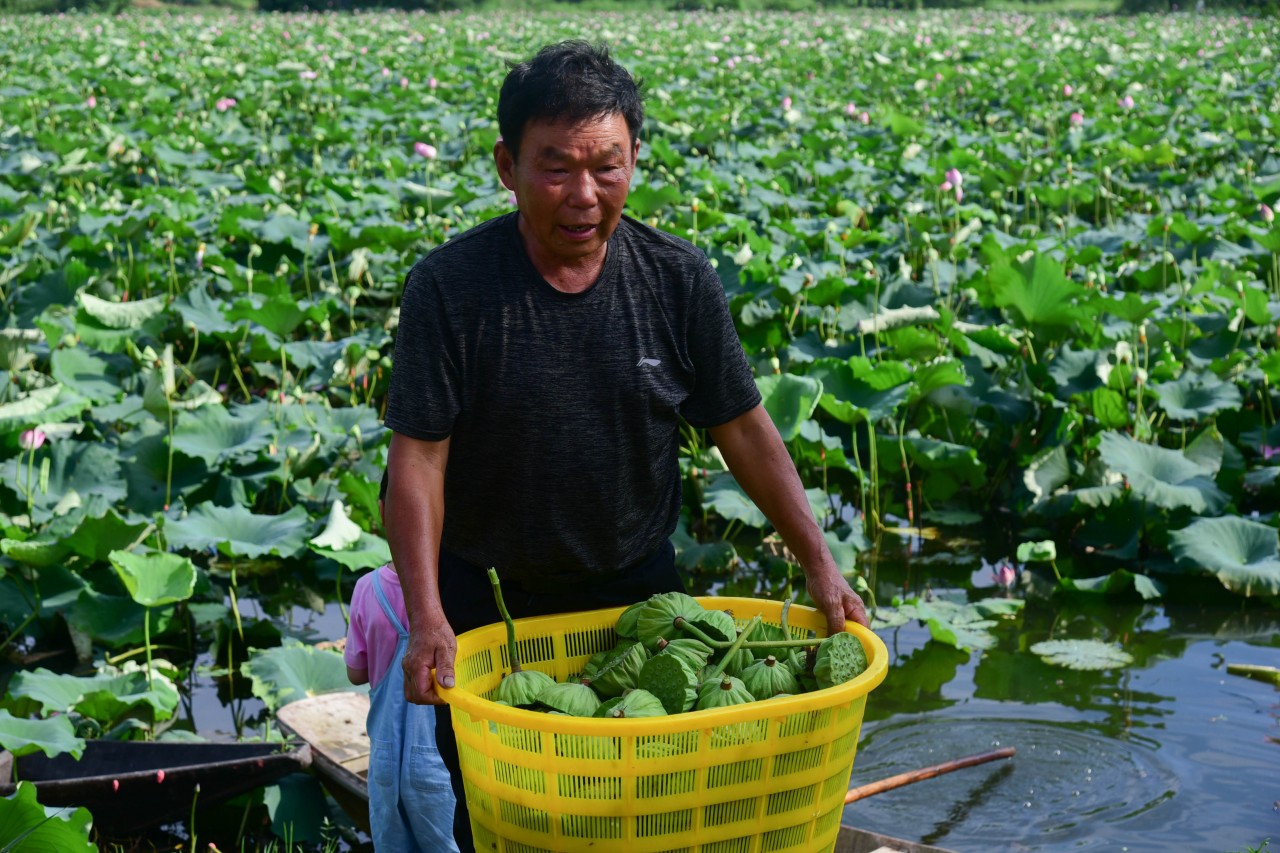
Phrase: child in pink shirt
x=411 y=800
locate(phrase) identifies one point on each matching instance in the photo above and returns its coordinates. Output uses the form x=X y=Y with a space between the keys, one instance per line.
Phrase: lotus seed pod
x=627 y=622
x=693 y=653
x=667 y=677
x=521 y=688
x=633 y=703
x=841 y=658
x=573 y=698
x=656 y=619
x=726 y=692
x=767 y=678
x=738 y=661
x=617 y=669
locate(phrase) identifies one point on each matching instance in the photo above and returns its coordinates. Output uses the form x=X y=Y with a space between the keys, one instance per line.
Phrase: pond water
x=1172 y=753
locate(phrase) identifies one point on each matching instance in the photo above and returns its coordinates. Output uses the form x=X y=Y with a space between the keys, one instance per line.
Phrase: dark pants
x=467 y=597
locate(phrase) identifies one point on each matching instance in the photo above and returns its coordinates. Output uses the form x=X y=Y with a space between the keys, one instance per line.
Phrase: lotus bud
x=1268 y=215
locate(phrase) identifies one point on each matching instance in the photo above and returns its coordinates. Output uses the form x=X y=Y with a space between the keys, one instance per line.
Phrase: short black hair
x=572 y=80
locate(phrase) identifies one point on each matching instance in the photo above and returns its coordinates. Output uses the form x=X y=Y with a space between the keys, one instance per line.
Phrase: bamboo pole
x=923 y=773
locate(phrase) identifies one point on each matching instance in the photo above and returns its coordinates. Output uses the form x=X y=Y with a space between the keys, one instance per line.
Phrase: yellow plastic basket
x=764 y=776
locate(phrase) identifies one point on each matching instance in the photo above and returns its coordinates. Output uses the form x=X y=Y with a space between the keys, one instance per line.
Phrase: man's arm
x=414 y=519
x=759 y=461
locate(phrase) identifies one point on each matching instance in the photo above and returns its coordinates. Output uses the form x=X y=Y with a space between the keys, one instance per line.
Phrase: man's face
x=571 y=183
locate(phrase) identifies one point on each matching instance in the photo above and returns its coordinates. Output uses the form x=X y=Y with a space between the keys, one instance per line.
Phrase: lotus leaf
x=53 y=736
x=1082 y=654
x=1163 y=477
x=1242 y=554
x=25 y=825
x=294 y=671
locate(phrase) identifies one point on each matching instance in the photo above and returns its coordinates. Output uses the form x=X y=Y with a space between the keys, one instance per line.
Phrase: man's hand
x=432 y=646
x=837 y=600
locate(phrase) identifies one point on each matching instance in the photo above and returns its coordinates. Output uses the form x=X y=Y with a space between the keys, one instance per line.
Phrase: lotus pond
x=1010 y=283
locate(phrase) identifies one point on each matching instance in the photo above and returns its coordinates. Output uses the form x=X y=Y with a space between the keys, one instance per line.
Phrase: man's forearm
x=759 y=461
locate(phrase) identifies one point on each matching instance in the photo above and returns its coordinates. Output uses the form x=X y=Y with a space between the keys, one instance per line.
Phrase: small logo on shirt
x=648 y=362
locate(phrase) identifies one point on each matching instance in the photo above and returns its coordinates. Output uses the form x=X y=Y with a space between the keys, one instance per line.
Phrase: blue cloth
x=411 y=801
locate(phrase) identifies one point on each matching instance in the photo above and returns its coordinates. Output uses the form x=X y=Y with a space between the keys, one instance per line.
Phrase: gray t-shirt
x=563 y=409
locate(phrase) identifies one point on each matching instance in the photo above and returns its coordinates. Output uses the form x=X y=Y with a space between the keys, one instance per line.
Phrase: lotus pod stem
x=737 y=644
x=698 y=634
x=506 y=618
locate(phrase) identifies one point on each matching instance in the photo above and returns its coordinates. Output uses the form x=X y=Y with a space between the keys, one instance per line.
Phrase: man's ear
x=635 y=153
x=506 y=164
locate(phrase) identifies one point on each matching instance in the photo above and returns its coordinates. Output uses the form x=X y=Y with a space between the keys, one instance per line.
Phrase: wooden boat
x=129 y=786
x=334 y=725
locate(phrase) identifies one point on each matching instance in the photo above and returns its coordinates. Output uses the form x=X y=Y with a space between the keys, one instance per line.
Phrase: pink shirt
x=371 y=639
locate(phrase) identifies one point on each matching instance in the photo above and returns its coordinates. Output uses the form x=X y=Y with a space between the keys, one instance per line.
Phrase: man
x=543 y=364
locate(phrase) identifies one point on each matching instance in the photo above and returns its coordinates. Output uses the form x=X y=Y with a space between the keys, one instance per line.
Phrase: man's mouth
x=578 y=231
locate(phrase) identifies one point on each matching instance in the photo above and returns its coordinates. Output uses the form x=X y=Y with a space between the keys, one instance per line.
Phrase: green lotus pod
x=766 y=633
x=767 y=678
x=628 y=625
x=694 y=653
x=632 y=703
x=724 y=693
x=521 y=688
x=667 y=677
x=618 y=669
x=737 y=662
x=841 y=658
x=656 y=619
x=572 y=697
x=716 y=624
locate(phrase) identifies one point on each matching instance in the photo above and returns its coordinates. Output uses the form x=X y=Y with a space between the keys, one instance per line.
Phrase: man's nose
x=582 y=189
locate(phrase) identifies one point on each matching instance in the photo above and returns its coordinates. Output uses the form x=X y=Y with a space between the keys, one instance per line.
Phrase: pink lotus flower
x=422 y=149
x=432 y=83
x=1067 y=90
x=959 y=195
x=224 y=104
x=1077 y=119
x=386 y=72
x=1267 y=451
x=1268 y=215
x=850 y=110
x=954 y=177
x=945 y=186
x=1004 y=575
x=91 y=102
x=404 y=82
x=32 y=439
x=786 y=103
x=1127 y=102
x=864 y=117
x=308 y=75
